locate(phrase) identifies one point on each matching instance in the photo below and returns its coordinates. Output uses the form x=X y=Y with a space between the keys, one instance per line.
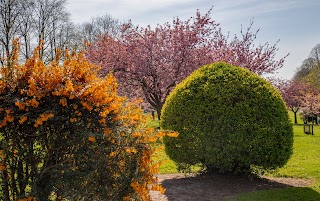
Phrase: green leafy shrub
x=228 y=119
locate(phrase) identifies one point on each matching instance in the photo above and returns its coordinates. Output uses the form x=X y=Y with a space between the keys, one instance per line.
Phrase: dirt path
x=217 y=187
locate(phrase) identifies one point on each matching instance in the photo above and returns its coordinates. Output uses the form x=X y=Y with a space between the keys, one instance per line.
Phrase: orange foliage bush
x=64 y=130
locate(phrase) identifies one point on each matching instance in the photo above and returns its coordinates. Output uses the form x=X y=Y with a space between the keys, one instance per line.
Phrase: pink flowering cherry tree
x=149 y=62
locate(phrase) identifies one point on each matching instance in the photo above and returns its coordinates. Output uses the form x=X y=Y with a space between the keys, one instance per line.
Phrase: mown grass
x=304 y=163
x=286 y=194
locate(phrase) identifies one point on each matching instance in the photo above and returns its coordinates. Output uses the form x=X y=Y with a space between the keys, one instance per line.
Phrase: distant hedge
x=229 y=119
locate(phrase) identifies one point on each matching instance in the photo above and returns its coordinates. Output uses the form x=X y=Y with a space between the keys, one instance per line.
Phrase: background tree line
x=310 y=68
x=47 y=22
x=302 y=92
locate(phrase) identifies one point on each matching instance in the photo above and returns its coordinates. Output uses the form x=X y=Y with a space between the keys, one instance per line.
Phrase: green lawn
x=286 y=194
x=304 y=163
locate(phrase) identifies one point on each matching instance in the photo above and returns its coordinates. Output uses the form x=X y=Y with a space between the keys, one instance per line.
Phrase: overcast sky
x=293 y=22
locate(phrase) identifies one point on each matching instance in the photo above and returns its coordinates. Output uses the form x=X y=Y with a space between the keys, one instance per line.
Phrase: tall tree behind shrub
x=150 y=62
x=63 y=129
x=229 y=119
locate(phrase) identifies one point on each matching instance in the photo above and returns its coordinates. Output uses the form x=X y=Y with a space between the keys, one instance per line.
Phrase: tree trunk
x=43 y=188
x=21 y=178
x=295 y=117
x=295 y=111
x=158 y=109
x=5 y=186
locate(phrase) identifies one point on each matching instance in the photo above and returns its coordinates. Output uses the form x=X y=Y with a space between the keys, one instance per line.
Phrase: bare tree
x=106 y=24
x=46 y=23
x=67 y=36
x=36 y=22
x=99 y=26
x=87 y=31
x=10 y=23
x=27 y=24
x=49 y=14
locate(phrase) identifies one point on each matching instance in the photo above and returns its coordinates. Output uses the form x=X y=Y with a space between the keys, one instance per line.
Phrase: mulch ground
x=217 y=187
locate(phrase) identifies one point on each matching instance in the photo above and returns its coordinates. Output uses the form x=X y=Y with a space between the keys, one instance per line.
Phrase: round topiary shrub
x=229 y=119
